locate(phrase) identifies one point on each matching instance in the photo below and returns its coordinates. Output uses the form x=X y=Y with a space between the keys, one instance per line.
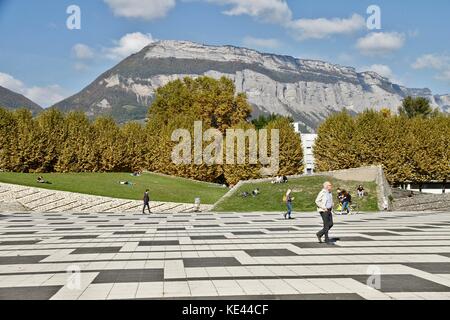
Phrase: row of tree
x=412 y=147
x=54 y=142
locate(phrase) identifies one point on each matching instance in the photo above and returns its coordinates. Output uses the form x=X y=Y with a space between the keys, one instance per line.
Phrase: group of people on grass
x=344 y=200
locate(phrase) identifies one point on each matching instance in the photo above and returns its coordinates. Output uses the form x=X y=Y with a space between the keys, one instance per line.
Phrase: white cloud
x=437 y=62
x=444 y=75
x=129 y=44
x=273 y=11
x=381 y=69
x=261 y=43
x=384 y=71
x=278 y=12
x=143 y=9
x=44 y=96
x=82 y=52
x=381 y=43
x=323 y=28
x=431 y=61
x=9 y=82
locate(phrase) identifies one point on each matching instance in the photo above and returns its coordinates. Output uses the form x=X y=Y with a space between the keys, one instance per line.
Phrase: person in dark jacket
x=146 y=202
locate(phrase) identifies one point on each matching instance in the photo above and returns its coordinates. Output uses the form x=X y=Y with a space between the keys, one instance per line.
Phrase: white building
x=308 y=141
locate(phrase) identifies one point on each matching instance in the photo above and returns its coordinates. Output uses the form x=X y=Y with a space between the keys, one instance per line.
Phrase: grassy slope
x=161 y=188
x=305 y=191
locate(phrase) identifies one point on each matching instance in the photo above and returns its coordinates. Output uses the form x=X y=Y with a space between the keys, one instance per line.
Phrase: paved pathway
x=205 y=255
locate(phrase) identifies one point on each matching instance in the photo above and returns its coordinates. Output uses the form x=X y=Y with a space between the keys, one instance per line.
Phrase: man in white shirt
x=325 y=205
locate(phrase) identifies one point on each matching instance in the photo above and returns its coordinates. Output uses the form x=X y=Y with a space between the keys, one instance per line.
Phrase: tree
x=236 y=172
x=291 y=150
x=181 y=103
x=415 y=107
x=263 y=120
x=75 y=149
x=214 y=102
x=8 y=134
x=106 y=147
x=333 y=148
x=135 y=147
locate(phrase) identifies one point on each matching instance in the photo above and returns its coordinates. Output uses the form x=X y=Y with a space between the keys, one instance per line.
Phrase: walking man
x=146 y=202
x=325 y=205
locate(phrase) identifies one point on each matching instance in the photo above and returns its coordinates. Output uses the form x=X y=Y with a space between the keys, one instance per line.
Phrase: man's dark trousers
x=327 y=218
x=146 y=205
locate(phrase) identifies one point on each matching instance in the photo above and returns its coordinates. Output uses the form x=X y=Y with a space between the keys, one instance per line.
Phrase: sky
x=46 y=60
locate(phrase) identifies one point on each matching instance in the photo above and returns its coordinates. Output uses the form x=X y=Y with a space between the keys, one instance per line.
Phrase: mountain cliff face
x=11 y=100
x=307 y=90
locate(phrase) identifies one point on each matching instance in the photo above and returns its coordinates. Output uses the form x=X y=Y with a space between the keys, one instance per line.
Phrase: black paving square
x=79 y=237
x=432 y=267
x=270 y=253
x=210 y=262
x=207 y=226
x=281 y=229
x=247 y=233
x=354 y=239
x=159 y=243
x=111 y=226
x=128 y=232
x=21 y=260
x=21 y=226
x=312 y=245
x=218 y=237
x=19 y=242
x=96 y=250
x=130 y=275
x=405 y=283
x=28 y=293
x=380 y=233
x=18 y=233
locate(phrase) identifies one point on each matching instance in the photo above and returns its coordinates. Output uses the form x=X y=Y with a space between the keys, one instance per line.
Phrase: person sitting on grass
x=360 y=190
x=244 y=194
x=126 y=183
x=40 y=179
x=255 y=192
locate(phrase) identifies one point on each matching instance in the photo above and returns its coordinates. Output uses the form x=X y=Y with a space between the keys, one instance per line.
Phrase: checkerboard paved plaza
x=206 y=255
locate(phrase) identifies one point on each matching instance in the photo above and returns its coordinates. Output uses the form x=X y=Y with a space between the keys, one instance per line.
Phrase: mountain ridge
x=12 y=100
x=308 y=90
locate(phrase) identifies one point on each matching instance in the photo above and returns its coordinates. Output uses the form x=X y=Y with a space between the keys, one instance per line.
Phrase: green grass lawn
x=305 y=191
x=161 y=188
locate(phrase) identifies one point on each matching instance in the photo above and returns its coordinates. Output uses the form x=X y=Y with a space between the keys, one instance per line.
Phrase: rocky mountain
x=307 y=90
x=12 y=100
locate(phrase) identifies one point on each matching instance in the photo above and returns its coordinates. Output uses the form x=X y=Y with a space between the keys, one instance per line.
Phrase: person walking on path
x=146 y=202
x=289 y=200
x=325 y=205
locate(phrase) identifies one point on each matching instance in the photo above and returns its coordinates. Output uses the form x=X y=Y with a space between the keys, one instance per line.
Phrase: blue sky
x=44 y=60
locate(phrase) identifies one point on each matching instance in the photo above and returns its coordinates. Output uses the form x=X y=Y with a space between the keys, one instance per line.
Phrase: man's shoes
x=319 y=238
x=285 y=216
